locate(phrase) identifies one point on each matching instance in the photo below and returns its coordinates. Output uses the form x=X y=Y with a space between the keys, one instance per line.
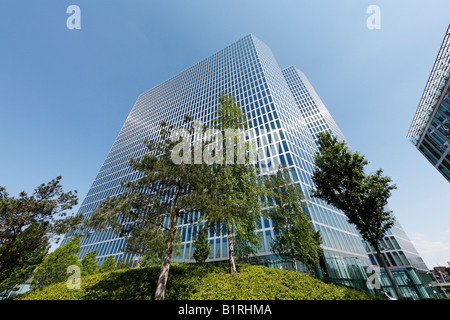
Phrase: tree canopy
x=341 y=181
x=295 y=238
x=232 y=202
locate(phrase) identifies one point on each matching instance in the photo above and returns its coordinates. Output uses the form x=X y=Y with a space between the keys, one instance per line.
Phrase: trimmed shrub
x=201 y=281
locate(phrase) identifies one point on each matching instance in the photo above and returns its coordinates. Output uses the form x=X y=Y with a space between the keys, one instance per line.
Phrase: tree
x=22 y=259
x=201 y=245
x=232 y=202
x=246 y=241
x=108 y=265
x=342 y=182
x=154 y=253
x=295 y=238
x=27 y=223
x=122 y=264
x=89 y=264
x=53 y=268
x=151 y=205
x=146 y=241
x=149 y=243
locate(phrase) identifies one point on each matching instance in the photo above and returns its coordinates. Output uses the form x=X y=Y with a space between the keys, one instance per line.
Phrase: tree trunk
x=231 y=250
x=389 y=273
x=165 y=266
x=294 y=262
x=141 y=256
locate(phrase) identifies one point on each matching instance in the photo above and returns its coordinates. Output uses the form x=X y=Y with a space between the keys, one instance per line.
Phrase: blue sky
x=65 y=94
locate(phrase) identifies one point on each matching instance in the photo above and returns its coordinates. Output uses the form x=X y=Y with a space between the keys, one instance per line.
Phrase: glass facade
x=344 y=252
x=285 y=114
x=430 y=129
x=313 y=110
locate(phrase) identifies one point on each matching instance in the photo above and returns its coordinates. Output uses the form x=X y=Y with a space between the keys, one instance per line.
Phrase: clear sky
x=65 y=94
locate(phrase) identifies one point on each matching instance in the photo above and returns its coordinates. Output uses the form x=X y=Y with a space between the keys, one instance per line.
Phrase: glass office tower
x=282 y=130
x=430 y=129
x=316 y=115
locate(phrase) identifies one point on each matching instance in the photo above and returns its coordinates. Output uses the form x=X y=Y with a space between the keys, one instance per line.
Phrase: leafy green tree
x=246 y=241
x=232 y=202
x=89 y=263
x=342 y=182
x=295 y=238
x=27 y=223
x=53 y=268
x=108 y=265
x=201 y=245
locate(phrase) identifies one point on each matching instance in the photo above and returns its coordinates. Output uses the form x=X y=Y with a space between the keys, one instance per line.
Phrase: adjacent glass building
x=285 y=113
x=430 y=129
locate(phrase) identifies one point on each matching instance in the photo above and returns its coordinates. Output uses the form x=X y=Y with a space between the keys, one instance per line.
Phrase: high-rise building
x=285 y=114
x=430 y=129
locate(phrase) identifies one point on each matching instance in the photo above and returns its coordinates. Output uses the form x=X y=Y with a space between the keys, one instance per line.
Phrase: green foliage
x=201 y=245
x=295 y=238
x=201 y=281
x=121 y=264
x=26 y=225
x=232 y=201
x=108 y=265
x=147 y=242
x=18 y=265
x=53 y=269
x=341 y=181
x=155 y=254
x=153 y=203
x=89 y=264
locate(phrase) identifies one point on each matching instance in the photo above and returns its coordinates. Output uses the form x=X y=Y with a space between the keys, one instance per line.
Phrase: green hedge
x=205 y=281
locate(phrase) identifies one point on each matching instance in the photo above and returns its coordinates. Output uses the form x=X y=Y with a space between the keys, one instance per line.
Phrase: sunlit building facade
x=285 y=114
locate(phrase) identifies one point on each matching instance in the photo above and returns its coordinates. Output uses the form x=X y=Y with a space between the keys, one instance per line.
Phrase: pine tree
x=89 y=264
x=108 y=265
x=123 y=265
x=201 y=245
x=153 y=204
x=54 y=267
x=28 y=251
x=27 y=224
